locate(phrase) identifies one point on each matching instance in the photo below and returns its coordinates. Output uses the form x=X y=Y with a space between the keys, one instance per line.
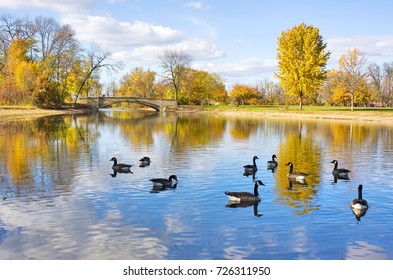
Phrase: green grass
x=295 y=109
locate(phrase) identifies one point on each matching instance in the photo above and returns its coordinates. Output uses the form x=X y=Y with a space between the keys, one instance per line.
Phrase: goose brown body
x=145 y=161
x=120 y=167
x=359 y=203
x=253 y=166
x=162 y=183
x=297 y=176
x=246 y=196
x=272 y=163
x=339 y=172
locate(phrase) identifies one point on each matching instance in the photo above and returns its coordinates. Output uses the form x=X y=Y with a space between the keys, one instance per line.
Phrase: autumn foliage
x=42 y=64
x=245 y=95
x=301 y=61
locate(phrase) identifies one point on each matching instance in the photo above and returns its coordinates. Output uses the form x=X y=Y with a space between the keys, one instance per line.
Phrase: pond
x=60 y=198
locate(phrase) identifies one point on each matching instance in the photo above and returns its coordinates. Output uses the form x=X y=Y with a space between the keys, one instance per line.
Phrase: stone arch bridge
x=155 y=103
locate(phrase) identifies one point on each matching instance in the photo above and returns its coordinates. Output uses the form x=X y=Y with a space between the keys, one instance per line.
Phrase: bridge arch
x=155 y=103
x=151 y=105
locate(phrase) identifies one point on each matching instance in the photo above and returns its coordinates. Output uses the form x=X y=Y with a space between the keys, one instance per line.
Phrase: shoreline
x=11 y=113
x=360 y=117
x=379 y=117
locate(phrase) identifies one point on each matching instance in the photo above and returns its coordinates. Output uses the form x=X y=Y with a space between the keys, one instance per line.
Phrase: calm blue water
x=59 y=200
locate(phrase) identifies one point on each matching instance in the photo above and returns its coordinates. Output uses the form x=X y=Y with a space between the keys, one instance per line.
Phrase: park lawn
x=327 y=112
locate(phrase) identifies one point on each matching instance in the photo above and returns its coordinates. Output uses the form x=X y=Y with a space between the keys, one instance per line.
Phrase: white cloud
x=196 y=5
x=245 y=71
x=65 y=6
x=198 y=48
x=361 y=250
x=246 y=67
x=114 y=34
x=377 y=49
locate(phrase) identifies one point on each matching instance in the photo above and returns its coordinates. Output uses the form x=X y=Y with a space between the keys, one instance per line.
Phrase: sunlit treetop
x=302 y=58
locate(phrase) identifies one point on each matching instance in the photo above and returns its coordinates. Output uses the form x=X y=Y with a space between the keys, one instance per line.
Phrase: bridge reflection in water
x=156 y=103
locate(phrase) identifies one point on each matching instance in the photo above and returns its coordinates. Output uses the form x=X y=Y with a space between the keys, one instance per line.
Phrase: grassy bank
x=316 y=112
x=293 y=108
x=319 y=112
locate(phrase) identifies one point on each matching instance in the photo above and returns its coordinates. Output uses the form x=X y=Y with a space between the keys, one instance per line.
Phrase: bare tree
x=175 y=64
x=12 y=28
x=95 y=61
x=387 y=83
x=376 y=75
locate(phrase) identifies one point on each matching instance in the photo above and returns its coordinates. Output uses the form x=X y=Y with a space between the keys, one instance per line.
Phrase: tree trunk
x=301 y=101
x=352 y=101
x=177 y=97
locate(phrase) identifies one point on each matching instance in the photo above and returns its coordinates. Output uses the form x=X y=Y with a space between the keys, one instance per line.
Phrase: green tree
x=302 y=58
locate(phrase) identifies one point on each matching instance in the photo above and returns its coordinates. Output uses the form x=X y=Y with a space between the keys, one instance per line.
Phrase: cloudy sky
x=236 y=39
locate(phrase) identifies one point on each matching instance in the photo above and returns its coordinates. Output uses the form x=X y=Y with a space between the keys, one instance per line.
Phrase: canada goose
x=271 y=164
x=120 y=167
x=359 y=203
x=145 y=161
x=297 y=176
x=340 y=173
x=246 y=196
x=162 y=183
x=253 y=166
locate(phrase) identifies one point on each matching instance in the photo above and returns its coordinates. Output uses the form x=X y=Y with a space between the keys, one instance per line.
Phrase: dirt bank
x=11 y=113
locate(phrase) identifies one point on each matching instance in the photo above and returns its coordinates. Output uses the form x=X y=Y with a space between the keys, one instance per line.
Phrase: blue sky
x=236 y=39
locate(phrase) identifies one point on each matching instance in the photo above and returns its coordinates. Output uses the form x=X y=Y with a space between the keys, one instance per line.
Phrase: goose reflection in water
x=156 y=189
x=234 y=204
x=291 y=182
x=114 y=174
x=248 y=172
x=340 y=177
x=359 y=213
x=272 y=169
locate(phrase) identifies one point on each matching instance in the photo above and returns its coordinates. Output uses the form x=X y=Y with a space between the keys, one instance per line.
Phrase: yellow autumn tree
x=201 y=87
x=137 y=83
x=245 y=95
x=302 y=58
x=339 y=94
x=350 y=81
x=18 y=74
